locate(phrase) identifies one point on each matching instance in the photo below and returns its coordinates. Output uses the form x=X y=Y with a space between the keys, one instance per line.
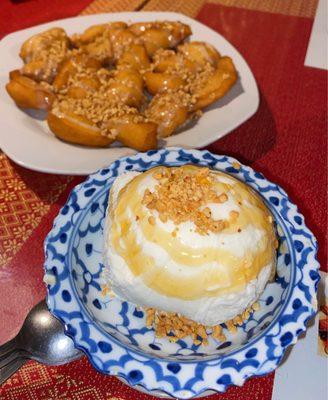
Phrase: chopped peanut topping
x=245 y=315
x=236 y=165
x=223 y=198
x=99 y=106
x=48 y=49
x=234 y=214
x=195 y=76
x=174 y=326
x=231 y=326
x=151 y=220
x=105 y=291
x=181 y=196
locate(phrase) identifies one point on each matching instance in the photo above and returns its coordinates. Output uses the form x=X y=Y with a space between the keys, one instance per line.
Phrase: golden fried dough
x=69 y=68
x=200 y=53
x=160 y=82
x=139 y=28
x=218 y=83
x=134 y=57
x=126 y=88
x=130 y=77
x=118 y=91
x=14 y=74
x=141 y=136
x=66 y=70
x=131 y=83
x=35 y=70
x=121 y=40
x=43 y=53
x=101 y=50
x=52 y=38
x=95 y=31
x=77 y=129
x=29 y=94
x=169 y=111
x=89 y=35
x=169 y=60
x=83 y=86
x=175 y=31
x=179 y=32
x=154 y=39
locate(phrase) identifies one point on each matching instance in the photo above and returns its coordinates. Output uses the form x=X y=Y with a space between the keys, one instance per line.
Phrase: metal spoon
x=41 y=338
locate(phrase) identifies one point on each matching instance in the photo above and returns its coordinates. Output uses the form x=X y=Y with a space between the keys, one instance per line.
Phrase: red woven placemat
x=286 y=139
x=16 y=15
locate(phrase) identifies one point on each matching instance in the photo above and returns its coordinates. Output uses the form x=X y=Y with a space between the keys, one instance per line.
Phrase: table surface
x=285 y=140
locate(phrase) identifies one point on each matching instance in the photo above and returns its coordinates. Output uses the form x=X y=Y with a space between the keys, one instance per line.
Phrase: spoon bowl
x=41 y=338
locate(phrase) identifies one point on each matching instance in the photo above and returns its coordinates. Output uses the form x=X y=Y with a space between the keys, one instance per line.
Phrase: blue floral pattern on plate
x=113 y=334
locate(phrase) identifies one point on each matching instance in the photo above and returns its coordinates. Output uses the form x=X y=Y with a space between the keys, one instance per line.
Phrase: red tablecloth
x=285 y=140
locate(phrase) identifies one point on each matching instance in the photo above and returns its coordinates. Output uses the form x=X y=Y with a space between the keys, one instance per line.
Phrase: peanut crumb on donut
x=98 y=108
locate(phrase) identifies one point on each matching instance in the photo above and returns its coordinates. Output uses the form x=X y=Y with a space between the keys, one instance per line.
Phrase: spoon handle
x=8 y=352
x=10 y=369
x=8 y=347
x=11 y=357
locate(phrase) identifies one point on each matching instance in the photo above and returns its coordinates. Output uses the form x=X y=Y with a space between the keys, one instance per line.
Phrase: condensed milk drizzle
x=207 y=271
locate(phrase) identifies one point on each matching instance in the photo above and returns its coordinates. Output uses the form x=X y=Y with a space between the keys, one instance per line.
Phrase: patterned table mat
x=299 y=8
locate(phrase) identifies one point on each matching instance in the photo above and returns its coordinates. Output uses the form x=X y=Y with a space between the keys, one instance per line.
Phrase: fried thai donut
x=36 y=70
x=14 y=74
x=139 y=28
x=29 y=94
x=175 y=31
x=134 y=57
x=94 y=83
x=42 y=54
x=104 y=42
x=77 y=129
x=41 y=42
x=127 y=88
x=101 y=49
x=169 y=111
x=121 y=40
x=141 y=136
x=217 y=84
x=93 y=32
x=154 y=39
x=70 y=66
x=83 y=86
x=67 y=69
x=165 y=60
x=200 y=53
x=160 y=82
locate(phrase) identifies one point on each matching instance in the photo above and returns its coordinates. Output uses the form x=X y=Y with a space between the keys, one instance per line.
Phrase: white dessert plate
x=27 y=140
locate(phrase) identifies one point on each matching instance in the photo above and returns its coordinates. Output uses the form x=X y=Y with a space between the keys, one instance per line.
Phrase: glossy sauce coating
x=199 y=278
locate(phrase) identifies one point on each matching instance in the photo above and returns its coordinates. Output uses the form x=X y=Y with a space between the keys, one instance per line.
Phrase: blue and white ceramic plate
x=113 y=334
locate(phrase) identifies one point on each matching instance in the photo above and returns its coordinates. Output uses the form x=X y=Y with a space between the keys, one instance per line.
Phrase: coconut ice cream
x=188 y=240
